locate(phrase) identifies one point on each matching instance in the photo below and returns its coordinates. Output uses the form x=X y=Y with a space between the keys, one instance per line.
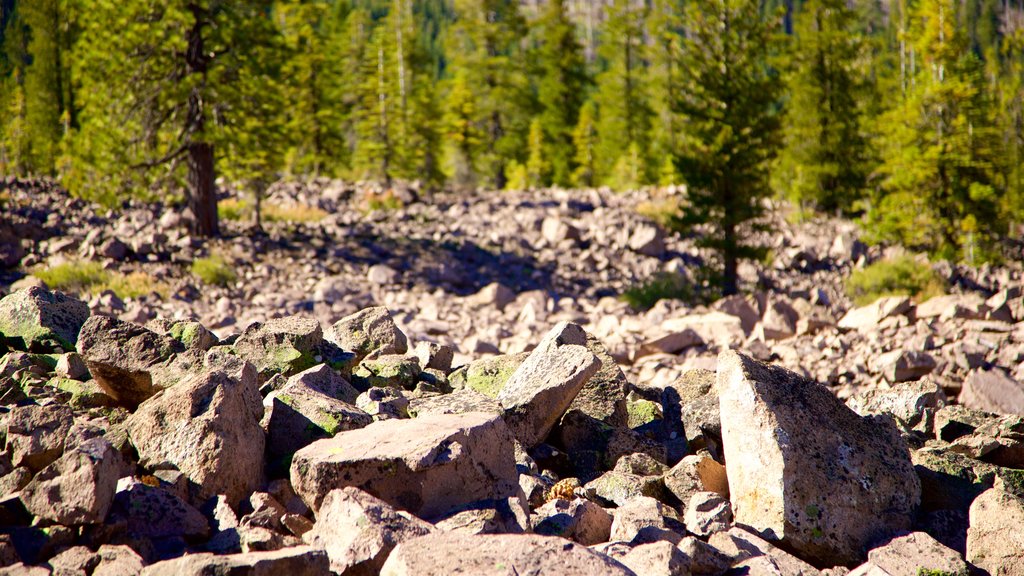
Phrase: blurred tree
x=584 y=139
x=665 y=77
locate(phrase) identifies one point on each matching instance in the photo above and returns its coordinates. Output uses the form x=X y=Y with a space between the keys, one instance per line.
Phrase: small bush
x=903 y=276
x=661 y=287
x=214 y=271
x=386 y=201
x=85 y=277
x=239 y=210
x=232 y=209
x=661 y=210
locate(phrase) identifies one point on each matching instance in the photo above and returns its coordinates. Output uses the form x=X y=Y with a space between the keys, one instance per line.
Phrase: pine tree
x=15 y=141
x=1010 y=85
x=729 y=103
x=941 y=148
x=584 y=139
x=665 y=78
x=561 y=88
x=167 y=84
x=485 y=48
x=624 y=114
x=825 y=161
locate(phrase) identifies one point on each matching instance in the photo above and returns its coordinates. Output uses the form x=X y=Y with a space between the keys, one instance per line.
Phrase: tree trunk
x=729 y=260
x=202 y=191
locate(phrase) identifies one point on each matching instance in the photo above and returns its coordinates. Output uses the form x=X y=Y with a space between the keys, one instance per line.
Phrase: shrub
x=214 y=270
x=662 y=286
x=902 y=276
x=232 y=209
x=386 y=201
x=83 y=276
x=238 y=210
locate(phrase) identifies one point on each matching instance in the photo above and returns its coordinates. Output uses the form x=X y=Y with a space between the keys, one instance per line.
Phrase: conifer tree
x=825 y=161
x=561 y=89
x=584 y=139
x=731 y=130
x=940 y=148
x=622 y=101
x=665 y=79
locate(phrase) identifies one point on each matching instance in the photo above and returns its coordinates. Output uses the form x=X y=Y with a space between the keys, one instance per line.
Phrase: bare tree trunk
x=202 y=190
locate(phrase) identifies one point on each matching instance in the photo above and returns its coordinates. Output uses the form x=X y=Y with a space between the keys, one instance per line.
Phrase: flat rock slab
x=35 y=319
x=993 y=391
x=806 y=470
x=427 y=466
x=546 y=383
x=296 y=561
x=915 y=554
x=868 y=317
x=497 y=555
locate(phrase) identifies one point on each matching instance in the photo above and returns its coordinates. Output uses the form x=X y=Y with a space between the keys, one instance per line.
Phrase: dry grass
x=386 y=201
x=237 y=210
x=85 y=277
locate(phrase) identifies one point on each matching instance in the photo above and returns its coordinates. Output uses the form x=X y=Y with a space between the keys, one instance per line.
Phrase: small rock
x=297 y=561
x=697 y=473
x=905 y=365
x=579 y=520
x=283 y=345
x=487 y=375
x=644 y=519
x=494 y=294
x=994 y=535
x=370 y=331
x=657 y=559
x=707 y=513
x=382 y=275
x=746 y=549
x=35 y=434
x=868 y=317
x=647 y=239
x=151 y=512
x=72 y=366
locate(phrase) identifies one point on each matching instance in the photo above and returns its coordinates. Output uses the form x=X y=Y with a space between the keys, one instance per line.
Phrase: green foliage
x=584 y=140
x=83 y=276
x=825 y=160
x=729 y=101
x=214 y=270
x=668 y=286
x=903 y=276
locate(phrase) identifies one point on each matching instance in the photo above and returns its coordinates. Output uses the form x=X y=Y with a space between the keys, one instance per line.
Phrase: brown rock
x=122 y=356
x=994 y=536
x=579 y=520
x=78 y=488
x=297 y=561
x=993 y=391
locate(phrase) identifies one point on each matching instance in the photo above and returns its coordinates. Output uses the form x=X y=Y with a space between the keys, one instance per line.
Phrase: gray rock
x=657 y=559
x=620 y=487
x=497 y=555
x=493 y=516
x=546 y=383
x=36 y=319
x=487 y=375
x=434 y=356
x=707 y=513
x=78 y=488
x=806 y=470
x=579 y=520
x=152 y=512
x=209 y=428
x=647 y=239
x=754 y=554
x=494 y=294
x=696 y=473
x=72 y=366
x=371 y=331
x=122 y=356
x=384 y=403
x=36 y=434
x=705 y=559
x=387 y=370
x=905 y=365
x=993 y=538
x=297 y=561
x=912 y=403
x=427 y=465
x=992 y=391
x=358 y=531
x=458 y=402
x=282 y=346
x=917 y=553
x=868 y=317
x=117 y=560
x=644 y=519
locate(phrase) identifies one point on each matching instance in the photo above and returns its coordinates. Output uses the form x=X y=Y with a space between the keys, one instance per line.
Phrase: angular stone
x=297 y=561
x=912 y=403
x=434 y=356
x=492 y=516
x=497 y=555
x=647 y=239
x=458 y=402
x=697 y=473
x=122 y=356
x=620 y=487
x=72 y=366
x=487 y=375
x=36 y=434
x=78 y=488
x=669 y=342
x=579 y=520
x=371 y=331
x=281 y=346
x=208 y=426
x=75 y=560
x=151 y=512
x=806 y=470
x=306 y=409
x=657 y=559
x=427 y=466
x=740 y=307
x=36 y=319
x=751 y=552
x=384 y=403
x=718 y=327
x=494 y=294
x=905 y=365
x=868 y=317
x=117 y=560
x=358 y=531
x=544 y=386
x=387 y=370
x=992 y=391
x=705 y=559
x=707 y=513
x=915 y=554
x=994 y=538
x=779 y=321
x=644 y=519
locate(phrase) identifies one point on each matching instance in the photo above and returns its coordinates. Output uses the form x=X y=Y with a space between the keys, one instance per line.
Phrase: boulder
x=492 y=516
x=78 y=488
x=665 y=342
x=297 y=561
x=644 y=519
x=696 y=473
x=657 y=559
x=207 y=426
x=752 y=554
x=427 y=465
x=117 y=560
x=995 y=541
x=912 y=403
x=487 y=375
x=915 y=554
x=282 y=346
x=458 y=402
x=306 y=409
x=619 y=487
x=371 y=331
x=358 y=531
x=905 y=365
x=497 y=555
x=36 y=434
x=992 y=391
x=707 y=513
x=705 y=559
x=545 y=384
x=579 y=520
x=647 y=239
x=39 y=320
x=494 y=294
x=122 y=357
x=806 y=470
x=387 y=370
x=155 y=512
x=868 y=317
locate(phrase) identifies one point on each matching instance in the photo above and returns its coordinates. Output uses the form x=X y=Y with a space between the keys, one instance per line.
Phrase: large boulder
x=868 y=317
x=546 y=383
x=497 y=555
x=806 y=470
x=36 y=434
x=995 y=541
x=38 y=320
x=208 y=426
x=122 y=357
x=282 y=345
x=358 y=531
x=296 y=561
x=917 y=554
x=993 y=391
x=308 y=408
x=369 y=332
x=78 y=488
x=153 y=512
x=428 y=465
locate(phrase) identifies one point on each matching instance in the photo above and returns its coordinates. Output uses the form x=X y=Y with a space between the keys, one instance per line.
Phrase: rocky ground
x=454 y=386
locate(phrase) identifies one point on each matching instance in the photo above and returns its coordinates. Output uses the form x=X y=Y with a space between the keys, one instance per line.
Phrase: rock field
x=454 y=388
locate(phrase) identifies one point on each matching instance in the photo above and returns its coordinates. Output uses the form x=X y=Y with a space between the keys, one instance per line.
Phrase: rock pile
x=294 y=449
